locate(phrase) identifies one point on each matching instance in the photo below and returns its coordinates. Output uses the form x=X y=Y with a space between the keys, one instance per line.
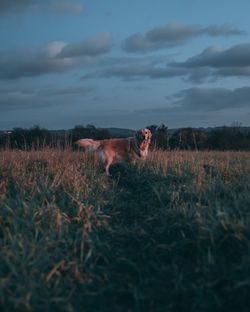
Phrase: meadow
x=168 y=234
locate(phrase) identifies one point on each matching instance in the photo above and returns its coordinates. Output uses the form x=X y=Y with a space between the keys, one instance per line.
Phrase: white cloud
x=54 y=48
x=99 y=44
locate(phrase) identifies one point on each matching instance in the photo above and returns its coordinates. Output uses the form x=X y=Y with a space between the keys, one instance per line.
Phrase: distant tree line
x=223 y=138
x=37 y=138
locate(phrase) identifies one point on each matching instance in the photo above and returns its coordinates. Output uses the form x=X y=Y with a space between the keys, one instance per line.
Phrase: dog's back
x=119 y=146
x=89 y=144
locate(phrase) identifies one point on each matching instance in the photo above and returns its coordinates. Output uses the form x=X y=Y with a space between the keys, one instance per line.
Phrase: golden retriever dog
x=119 y=150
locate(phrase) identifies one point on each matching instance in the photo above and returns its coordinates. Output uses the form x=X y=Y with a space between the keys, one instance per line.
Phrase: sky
x=126 y=64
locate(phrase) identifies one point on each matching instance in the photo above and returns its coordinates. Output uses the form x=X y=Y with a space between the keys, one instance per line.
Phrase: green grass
x=168 y=234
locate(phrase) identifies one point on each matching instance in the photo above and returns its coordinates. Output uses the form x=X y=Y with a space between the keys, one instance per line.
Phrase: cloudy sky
x=126 y=64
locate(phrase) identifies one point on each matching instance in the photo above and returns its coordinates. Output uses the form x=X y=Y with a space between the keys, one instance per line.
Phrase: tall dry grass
x=159 y=235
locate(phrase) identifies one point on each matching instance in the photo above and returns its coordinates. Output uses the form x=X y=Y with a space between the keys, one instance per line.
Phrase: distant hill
x=210 y=129
x=114 y=132
x=119 y=132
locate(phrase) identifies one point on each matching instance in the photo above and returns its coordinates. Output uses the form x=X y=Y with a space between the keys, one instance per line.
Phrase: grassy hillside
x=168 y=234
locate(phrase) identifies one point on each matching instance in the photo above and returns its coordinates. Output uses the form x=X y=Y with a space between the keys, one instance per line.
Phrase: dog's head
x=143 y=135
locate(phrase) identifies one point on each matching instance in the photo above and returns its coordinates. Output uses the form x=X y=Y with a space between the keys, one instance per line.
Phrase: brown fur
x=117 y=150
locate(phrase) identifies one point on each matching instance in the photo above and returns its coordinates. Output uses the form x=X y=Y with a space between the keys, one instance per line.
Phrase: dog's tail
x=88 y=144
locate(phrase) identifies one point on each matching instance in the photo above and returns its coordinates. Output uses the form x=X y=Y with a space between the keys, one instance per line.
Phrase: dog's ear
x=149 y=134
x=139 y=135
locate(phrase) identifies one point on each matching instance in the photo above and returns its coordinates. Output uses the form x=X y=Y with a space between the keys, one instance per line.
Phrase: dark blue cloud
x=56 y=57
x=56 y=6
x=173 y=35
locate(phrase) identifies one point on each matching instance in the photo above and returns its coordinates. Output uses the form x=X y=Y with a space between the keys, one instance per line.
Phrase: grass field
x=168 y=234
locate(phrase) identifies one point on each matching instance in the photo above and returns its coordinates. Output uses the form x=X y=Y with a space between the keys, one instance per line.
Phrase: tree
x=229 y=138
x=34 y=137
x=160 y=136
x=189 y=138
x=90 y=131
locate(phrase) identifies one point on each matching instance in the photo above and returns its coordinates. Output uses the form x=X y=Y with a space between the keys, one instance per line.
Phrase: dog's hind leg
x=107 y=164
x=107 y=161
